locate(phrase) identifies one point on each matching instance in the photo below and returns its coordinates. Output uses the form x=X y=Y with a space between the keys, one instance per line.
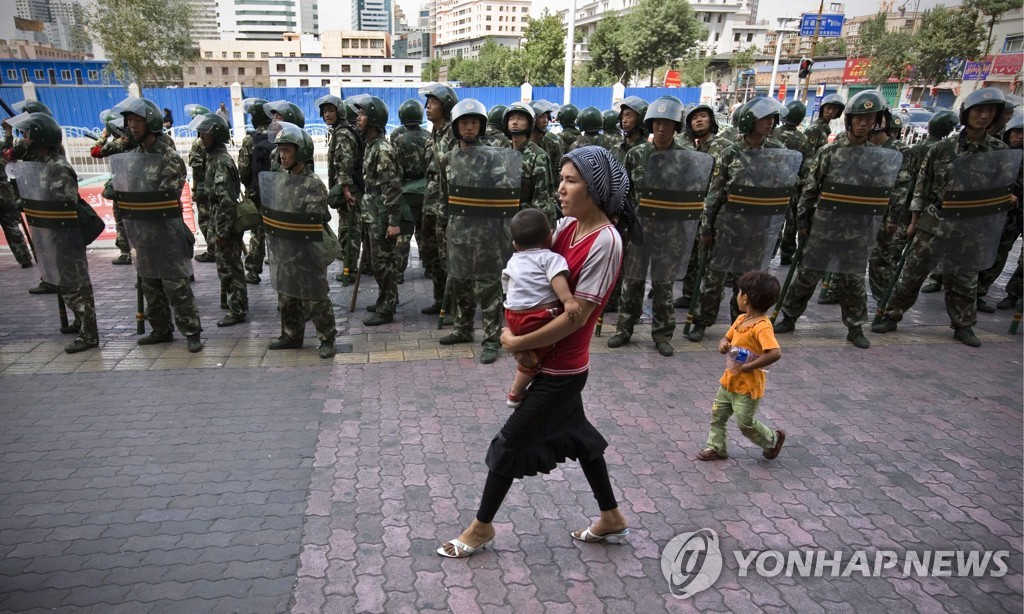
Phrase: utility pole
x=570 y=46
x=814 y=43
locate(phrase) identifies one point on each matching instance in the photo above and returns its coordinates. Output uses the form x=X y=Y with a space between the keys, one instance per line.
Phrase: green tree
x=890 y=51
x=831 y=48
x=694 y=70
x=944 y=34
x=742 y=60
x=147 y=41
x=605 y=46
x=432 y=70
x=589 y=75
x=991 y=10
x=545 y=50
x=656 y=32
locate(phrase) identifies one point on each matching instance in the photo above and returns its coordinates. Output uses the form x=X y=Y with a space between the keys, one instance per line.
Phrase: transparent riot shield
x=293 y=216
x=749 y=222
x=149 y=205
x=852 y=202
x=484 y=184
x=974 y=208
x=50 y=193
x=671 y=193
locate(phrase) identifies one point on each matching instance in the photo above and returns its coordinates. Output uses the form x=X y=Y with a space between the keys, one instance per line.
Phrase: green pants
x=728 y=403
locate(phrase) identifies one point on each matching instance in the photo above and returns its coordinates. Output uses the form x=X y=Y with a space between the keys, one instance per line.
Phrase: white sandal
x=589 y=537
x=461 y=550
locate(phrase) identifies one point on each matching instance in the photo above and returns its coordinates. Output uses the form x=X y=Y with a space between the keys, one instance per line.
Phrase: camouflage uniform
x=552 y=146
x=165 y=295
x=885 y=254
x=343 y=156
x=381 y=207
x=569 y=135
x=10 y=221
x=258 y=235
x=961 y=286
x=794 y=140
x=410 y=145
x=295 y=311
x=729 y=165
x=222 y=190
x=817 y=134
x=663 y=324
x=537 y=190
x=624 y=145
x=197 y=162
x=432 y=250
x=849 y=288
x=591 y=138
x=494 y=137
x=1011 y=230
x=102 y=149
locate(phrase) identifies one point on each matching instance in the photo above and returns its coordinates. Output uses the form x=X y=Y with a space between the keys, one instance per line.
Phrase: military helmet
x=495 y=114
x=611 y=121
x=567 y=115
x=756 y=109
x=689 y=116
x=985 y=95
x=443 y=93
x=113 y=122
x=540 y=107
x=517 y=107
x=837 y=100
x=410 y=113
x=1016 y=123
x=375 y=109
x=797 y=112
x=665 y=107
x=254 y=107
x=289 y=112
x=195 y=110
x=350 y=111
x=590 y=119
x=331 y=100
x=146 y=109
x=213 y=124
x=867 y=102
x=736 y=115
x=941 y=124
x=39 y=127
x=287 y=132
x=469 y=107
x=31 y=106
x=887 y=116
x=636 y=104
x=896 y=125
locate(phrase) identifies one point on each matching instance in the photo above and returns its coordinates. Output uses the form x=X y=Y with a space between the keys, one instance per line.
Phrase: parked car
x=916 y=121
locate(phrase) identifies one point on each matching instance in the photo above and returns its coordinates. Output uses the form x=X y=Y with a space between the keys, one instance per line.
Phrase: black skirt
x=549 y=427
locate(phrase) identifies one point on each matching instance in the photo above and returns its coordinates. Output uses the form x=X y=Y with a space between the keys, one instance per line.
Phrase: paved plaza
x=240 y=480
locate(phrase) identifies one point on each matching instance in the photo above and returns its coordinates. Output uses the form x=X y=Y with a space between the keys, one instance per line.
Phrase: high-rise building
x=204 y=20
x=373 y=15
x=401 y=23
x=266 y=19
x=462 y=26
x=61 y=23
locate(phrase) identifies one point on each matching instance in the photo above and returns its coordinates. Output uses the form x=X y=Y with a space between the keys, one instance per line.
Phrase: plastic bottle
x=738 y=355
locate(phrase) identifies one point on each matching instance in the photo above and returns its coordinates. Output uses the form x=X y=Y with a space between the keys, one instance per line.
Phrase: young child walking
x=536 y=285
x=742 y=384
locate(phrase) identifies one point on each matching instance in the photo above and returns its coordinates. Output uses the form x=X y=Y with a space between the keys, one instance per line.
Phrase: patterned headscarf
x=608 y=184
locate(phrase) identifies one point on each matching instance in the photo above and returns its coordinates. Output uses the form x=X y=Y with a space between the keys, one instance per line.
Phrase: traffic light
x=805 y=67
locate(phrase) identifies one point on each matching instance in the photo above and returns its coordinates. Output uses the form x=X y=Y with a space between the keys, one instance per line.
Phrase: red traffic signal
x=805 y=67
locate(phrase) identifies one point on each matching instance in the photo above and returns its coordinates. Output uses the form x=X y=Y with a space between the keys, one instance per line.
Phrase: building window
x=237 y=55
x=264 y=55
x=750 y=37
x=191 y=70
x=303 y=67
x=280 y=68
x=209 y=70
x=325 y=68
x=1014 y=44
x=387 y=68
x=241 y=71
x=223 y=55
x=736 y=37
x=224 y=70
x=250 y=55
x=94 y=75
x=12 y=74
x=366 y=68
x=408 y=70
x=325 y=82
x=259 y=70
x=282 y=83
x=208 y=54
x=719 y=18
x=346 y=68
x=39 y=74
x=303 y=82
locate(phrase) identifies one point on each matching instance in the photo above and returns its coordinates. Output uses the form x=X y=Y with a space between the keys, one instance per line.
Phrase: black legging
x=595 y=470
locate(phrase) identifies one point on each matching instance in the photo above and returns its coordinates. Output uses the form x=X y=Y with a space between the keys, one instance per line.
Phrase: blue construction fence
x=81 y=106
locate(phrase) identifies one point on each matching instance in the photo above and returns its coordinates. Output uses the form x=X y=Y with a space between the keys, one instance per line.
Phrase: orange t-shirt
x=758 y=337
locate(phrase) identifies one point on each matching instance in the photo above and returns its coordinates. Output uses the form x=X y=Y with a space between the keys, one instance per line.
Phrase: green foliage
x=147 y=41
x=991 y=10
x=944 y=34
x=545 y=50
x=656 y=32
x=605 y=46
x=588 y=75
x=432 y=70
x=890 y=52
x=694 y=70
x=742 y=60
x=831 y=48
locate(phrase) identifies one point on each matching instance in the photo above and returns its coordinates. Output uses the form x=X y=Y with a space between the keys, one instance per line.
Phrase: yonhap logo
x=691 y=562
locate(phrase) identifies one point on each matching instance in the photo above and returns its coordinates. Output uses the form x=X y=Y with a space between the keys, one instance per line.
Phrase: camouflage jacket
x=729 y=164
x=569 y=136
x=245 y=160
x=197 y=162
x=624 y=146
x=915 y=154
x=493 y=137
x=172 y=173
x=319 y=193
x=591 y=138
x=60 y=176
x=552 y=146
x=441 y=141
x=816 y=174
x=898 y=200
x=792 y=139
x=222 y=189
x=382 y=201
x=20 y=150
x=817 y=134
x=730 y=133
x=112 y=146
x=713 y=144
x=636 y=166
x=410 y=146
x=537 y=190
x=342 y=155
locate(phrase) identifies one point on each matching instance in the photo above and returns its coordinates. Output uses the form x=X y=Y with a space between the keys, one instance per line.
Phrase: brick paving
x=149 y=479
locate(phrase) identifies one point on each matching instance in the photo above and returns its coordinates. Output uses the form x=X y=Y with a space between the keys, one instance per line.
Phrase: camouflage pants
x=1011 y=230
x=232 y=275
x=787 y=245
x=432 y=252
x=711 y=290
x=163 y=295
x=350 y=225
x=631 y=303
x=205 y=219
x=79 y=300
x=257 y=248
x=848 y=289
x=405 y=241
x=961 y=287
x=884 y=258
x=692 y=268
x=11 y=224
x=121 y=240
x=1015 y=287
x=465 y=295
x=385 y=265
x=295 y=312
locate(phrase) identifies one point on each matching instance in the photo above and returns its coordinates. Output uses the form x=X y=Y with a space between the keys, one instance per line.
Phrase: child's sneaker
x=513 y=401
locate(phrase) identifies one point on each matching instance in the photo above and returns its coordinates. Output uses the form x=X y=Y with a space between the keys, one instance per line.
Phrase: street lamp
x=780 y=33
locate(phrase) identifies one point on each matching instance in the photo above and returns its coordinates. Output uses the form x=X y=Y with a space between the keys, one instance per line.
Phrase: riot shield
x=484 y=184
x=50 y=194
x=749 y=223
x=974 y=208
x=293 y=216
x=152 y=216
x=671 y=195
x=852 y=202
